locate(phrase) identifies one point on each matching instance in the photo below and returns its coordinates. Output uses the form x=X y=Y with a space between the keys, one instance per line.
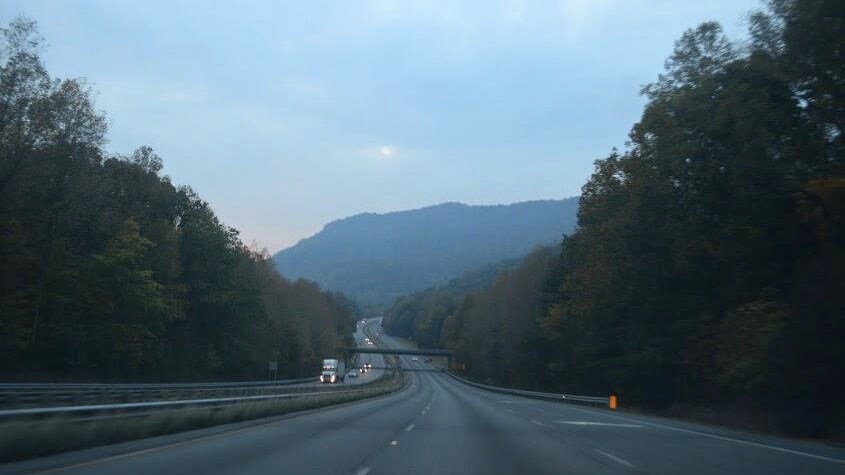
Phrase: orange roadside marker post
x=612 y=401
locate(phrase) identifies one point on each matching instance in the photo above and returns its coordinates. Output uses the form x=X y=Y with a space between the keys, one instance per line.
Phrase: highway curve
x=438 y=425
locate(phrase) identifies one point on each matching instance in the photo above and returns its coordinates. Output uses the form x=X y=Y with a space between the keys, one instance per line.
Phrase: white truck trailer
x=334 y=371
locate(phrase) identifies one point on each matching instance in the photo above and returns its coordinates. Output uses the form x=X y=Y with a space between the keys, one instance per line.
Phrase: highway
x=437 y=425
x=377 y=361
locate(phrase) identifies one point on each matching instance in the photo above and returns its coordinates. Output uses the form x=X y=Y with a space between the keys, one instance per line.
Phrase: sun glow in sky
x=287 y=115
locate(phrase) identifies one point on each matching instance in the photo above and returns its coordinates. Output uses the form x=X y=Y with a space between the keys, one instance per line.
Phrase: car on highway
x=427 y=360
x=414 y=358
x=353 y=373
x=368 y=366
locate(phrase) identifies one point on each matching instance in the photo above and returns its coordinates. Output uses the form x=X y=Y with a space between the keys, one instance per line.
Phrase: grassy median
x=32 y=438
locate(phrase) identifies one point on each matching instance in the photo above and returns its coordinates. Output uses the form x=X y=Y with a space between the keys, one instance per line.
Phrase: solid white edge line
x=600 y=424
x=721 y=437
x=615 y=458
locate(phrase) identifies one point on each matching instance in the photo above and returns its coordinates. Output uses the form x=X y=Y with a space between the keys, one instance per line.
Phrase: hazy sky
x=287 y=115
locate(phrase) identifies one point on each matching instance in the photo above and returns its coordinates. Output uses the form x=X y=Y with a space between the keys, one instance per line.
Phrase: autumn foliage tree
x=110 y=272
x=708 y=267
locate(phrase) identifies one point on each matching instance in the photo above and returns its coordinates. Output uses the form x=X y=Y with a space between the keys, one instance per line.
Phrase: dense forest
x=375 y=258
x=420 y=315
x=708 y=266
x=109 y=271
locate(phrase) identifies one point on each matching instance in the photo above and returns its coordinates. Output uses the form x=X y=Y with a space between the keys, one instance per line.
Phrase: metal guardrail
x=22 y=394
x=158 y=396
x=112 y=409
x=597 y=400
x=4 y=387
x=161 y=405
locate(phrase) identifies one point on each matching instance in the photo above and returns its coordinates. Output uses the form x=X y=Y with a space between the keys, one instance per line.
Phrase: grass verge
x=25 y=439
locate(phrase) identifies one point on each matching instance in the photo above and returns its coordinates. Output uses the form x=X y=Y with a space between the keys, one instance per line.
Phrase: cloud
x=236 y=99
x=379 y=157
x=372 y=154
x=302 y=89
x=578 y=17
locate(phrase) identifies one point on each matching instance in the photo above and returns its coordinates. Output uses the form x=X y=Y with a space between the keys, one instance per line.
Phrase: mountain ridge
x=376 y=257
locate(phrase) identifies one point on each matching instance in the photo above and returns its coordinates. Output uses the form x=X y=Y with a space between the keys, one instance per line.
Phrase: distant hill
x=375 y=258
x=420 y=315
x=476 y=279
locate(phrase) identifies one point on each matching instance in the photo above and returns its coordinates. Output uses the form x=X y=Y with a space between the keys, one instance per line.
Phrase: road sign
x=273 y=366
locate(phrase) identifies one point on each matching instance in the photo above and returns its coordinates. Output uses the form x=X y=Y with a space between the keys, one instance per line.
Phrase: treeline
x=708 y=266
x=420 y=315
x=110 y=272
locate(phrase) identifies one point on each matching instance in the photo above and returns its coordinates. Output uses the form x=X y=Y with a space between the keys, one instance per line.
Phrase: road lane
x=368 y=328
x=330 y=441
x=376 y=360
x=459 y=436
x=658 y=445
x=439 y=425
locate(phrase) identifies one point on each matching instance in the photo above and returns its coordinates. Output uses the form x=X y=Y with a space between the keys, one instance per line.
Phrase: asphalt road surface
x=439 y=425
x=371 y=327
x=361 y=331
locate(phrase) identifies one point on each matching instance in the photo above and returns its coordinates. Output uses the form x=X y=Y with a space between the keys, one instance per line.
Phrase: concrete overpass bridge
x=394 y=351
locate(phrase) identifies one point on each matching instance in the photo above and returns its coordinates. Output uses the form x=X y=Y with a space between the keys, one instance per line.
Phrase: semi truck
x=334 y=371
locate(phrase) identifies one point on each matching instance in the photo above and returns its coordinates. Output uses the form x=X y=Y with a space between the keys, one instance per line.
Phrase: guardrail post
x=612 y=401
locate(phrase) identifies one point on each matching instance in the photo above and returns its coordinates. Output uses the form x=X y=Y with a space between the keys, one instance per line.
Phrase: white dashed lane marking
x=615 y=458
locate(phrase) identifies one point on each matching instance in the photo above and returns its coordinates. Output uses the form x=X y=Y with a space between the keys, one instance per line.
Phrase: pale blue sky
x=287 y=115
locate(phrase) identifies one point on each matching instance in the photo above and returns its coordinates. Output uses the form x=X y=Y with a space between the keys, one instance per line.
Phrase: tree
x=707 y=263
x=109 y=271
